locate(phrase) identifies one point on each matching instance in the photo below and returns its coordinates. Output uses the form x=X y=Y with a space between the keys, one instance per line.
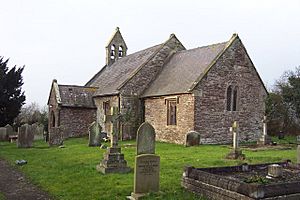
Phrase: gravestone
x=35 y=130
x=192 y=138
x=236 y=152
x=145 y=139
x=9 y=130
x=3 y=134
x=264 y=139
x=275 y=170
x=38 y=131
x=25 y=136
x=281 y=135
x=94 y=134
x=56 y=136
x=147 y=164
x=298 y=139
x=113 y=161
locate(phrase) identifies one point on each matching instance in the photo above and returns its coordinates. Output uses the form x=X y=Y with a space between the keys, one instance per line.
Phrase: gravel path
x=14 y=185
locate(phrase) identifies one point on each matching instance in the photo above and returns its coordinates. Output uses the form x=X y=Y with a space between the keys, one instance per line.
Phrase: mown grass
x=70 y=173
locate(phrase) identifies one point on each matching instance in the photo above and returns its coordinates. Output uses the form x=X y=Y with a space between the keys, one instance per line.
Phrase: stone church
x=173 y=88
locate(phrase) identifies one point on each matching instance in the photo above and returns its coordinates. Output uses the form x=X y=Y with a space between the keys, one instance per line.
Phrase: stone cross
x=264 y=125
x=235 y=153
x=235 y=135
x=113 y=161
x=114 y=118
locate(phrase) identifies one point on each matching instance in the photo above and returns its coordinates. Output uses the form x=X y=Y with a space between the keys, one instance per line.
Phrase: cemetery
x=147 y=169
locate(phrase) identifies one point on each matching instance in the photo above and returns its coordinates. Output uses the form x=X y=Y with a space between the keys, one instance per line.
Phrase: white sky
x=65 y=39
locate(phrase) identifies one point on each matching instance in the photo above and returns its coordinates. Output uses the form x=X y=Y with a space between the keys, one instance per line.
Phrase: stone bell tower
x=116 y=48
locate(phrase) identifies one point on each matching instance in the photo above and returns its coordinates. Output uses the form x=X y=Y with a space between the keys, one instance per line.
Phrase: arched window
x=52 y=119
x=229 y=91
x=232 y=98
x=234 y=101
x=112 y=52
x=121 y=52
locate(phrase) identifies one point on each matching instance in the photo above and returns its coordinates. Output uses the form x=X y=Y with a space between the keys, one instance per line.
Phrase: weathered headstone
x=9 y=130
x=145 y=139
x=147 y=164
x=25 y=136
x=235 y=153
x=12 y=136
x=264 y=139
x=38 y=131
x=113 y=161
x=3 y=134
x=275 y=170
x=192 y=138
x=94 y=134
x=56 y=136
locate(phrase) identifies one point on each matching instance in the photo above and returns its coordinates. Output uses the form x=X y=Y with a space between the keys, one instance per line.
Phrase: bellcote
x=116 y=48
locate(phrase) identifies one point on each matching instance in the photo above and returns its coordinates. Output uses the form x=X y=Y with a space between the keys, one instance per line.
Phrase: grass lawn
x=70 y=173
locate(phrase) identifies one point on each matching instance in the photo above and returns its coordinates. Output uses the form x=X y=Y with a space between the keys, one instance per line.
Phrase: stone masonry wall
x=53 y=111
x=143 y=78
x=114 y=102
x=212 y=120
x=75 y=121
x=156 y=115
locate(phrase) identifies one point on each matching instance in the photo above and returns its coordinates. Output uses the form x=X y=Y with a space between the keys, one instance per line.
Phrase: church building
x=175 y=89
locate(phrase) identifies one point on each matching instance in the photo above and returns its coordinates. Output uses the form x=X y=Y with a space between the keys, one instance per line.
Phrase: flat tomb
x=243 y=182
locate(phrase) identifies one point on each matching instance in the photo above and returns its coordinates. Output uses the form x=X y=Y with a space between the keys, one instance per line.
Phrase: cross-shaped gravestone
x=264 y=139
x=235 y=135
x=113 y=161
x=114 y=119
x=235 y=153
x=264 y=125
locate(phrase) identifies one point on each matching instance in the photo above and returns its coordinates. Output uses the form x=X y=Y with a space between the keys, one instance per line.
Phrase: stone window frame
x=106 y=108
x=113 y=52
x=121 y=51
x=53 y=119
x=232 y=98
x=172 y=121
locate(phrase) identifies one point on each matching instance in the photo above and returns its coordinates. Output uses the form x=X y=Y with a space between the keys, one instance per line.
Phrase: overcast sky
x=66 y=40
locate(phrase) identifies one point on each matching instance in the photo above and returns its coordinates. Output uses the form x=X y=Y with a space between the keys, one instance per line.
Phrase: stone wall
x=53 y=112
x=114 y=102
x=137 y=84
x=131 y=110
x=156 y=115
x=212 y=120
x=75 y=121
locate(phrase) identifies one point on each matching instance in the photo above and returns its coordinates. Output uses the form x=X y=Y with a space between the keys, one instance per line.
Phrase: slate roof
x=183 y=69
x=109 y=78
x=76 y=96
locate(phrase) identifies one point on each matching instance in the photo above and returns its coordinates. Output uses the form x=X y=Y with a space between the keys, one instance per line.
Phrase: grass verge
x=70 y=173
